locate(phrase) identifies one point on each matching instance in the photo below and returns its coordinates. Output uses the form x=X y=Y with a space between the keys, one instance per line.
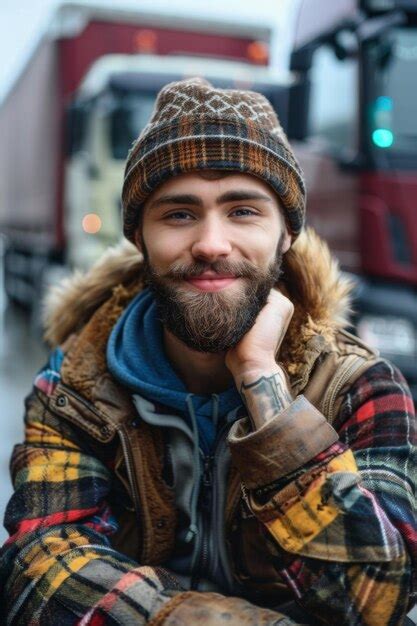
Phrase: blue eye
x=243 y=212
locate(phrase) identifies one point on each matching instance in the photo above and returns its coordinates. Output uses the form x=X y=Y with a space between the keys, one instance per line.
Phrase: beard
x=211 y=321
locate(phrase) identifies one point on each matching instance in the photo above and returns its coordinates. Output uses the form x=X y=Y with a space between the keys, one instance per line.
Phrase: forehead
x=207 y=182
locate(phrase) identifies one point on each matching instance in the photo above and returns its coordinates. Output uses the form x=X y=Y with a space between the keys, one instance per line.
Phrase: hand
x=258 y=348
x=261 y=382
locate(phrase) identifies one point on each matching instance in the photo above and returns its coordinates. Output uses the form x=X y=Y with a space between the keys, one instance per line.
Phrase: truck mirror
x=375 y=27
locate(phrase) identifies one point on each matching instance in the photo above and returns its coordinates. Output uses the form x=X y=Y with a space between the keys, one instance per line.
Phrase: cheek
x=163 y=248
x=259 y=249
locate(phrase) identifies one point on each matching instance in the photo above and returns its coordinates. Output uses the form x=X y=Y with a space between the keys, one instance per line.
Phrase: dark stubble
x=211 y=321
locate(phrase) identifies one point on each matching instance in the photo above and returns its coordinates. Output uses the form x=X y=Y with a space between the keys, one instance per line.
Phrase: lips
x=210 y=281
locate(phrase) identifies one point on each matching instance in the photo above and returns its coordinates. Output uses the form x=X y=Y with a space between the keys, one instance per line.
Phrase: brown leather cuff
x=282 y=445
x=213 y=609
x=168 y=608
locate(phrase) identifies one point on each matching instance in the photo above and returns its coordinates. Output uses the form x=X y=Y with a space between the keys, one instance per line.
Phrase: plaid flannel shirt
x=349 y=562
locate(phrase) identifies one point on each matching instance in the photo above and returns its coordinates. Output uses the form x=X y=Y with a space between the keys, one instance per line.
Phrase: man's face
x=213 y=246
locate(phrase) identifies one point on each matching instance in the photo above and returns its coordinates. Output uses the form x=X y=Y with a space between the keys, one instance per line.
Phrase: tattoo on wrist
x=265 y=398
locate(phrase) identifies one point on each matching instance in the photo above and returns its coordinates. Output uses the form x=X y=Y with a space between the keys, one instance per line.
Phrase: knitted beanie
x=195 y=126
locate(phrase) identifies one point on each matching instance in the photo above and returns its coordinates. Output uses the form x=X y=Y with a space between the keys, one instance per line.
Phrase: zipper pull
x=208 y=470
x=192 y=533
x=206 y=483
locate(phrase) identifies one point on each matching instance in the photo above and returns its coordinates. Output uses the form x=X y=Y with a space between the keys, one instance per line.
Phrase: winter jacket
x=319 y=504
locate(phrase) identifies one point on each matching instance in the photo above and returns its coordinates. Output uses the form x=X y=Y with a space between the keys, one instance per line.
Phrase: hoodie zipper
x=204 y=503
x=207 y=501
x=207 y=513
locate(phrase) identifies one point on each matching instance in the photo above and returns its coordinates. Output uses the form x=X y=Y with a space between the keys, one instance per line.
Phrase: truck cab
x=360 y=161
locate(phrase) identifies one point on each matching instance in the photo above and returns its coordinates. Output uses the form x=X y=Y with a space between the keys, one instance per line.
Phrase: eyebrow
x=228 y=196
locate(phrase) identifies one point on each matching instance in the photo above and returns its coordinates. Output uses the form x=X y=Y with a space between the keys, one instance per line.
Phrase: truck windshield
x=129 y=115
x=394 y=95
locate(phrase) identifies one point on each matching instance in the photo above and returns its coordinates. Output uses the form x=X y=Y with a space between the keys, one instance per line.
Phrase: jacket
x=320 y=503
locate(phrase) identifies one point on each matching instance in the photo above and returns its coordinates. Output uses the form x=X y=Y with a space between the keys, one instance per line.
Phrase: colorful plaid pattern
x=195 y=126
x=348 y=521
x=58 y=561
x=342 y=529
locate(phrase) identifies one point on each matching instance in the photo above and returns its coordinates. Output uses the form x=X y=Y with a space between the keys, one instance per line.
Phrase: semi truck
x=362 y=173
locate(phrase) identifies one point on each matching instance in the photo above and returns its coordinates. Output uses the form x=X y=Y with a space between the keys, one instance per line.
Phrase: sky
x=23 y=21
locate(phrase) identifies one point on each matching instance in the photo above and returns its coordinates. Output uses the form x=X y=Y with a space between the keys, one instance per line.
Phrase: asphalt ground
x=21 y=355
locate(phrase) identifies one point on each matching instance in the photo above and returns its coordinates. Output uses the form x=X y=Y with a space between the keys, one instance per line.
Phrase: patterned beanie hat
x=195 y=126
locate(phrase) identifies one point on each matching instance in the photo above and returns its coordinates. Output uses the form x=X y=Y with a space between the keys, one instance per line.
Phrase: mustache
x=240 y=269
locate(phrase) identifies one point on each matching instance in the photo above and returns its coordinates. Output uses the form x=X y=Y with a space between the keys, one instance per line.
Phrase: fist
x=262 y=342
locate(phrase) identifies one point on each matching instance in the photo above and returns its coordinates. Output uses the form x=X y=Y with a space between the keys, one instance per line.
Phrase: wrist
x=256 y=366
x=265 y=392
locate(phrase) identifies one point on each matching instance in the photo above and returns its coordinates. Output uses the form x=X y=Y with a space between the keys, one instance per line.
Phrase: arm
x=339 y=507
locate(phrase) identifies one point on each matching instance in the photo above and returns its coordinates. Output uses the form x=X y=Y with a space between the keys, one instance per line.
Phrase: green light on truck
x=384 y=103
x=383 y=138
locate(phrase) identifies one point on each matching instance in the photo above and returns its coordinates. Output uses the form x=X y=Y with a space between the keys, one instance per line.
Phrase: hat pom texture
x=195 y=126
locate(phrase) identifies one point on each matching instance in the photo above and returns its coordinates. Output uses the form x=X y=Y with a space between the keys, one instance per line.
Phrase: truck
x=346 y=100
x=40 y=128
x=361 y=165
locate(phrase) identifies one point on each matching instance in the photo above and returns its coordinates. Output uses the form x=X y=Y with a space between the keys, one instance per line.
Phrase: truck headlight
x=390 y=335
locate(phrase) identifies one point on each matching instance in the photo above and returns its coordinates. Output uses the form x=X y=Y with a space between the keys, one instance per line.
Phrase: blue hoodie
x=136 y=357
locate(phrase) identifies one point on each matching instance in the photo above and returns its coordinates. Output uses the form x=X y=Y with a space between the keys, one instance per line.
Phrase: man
x=207 y=444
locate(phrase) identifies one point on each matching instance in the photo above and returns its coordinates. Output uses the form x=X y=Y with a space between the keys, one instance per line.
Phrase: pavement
x=21 y=355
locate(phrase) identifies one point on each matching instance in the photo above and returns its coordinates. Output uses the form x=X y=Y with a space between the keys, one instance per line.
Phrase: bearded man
x=207 y=443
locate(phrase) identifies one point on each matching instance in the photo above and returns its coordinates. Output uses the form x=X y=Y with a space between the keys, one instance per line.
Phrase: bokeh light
x=91 y=223
x=383 y=138
x=384 y=103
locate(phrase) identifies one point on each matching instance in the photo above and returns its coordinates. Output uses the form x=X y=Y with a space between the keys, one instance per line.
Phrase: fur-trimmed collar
x=311 y=279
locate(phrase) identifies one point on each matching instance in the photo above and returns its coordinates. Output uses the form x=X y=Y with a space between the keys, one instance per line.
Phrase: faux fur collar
x=311 y=279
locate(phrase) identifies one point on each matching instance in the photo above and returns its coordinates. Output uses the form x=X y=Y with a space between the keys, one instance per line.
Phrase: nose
x=211 y=241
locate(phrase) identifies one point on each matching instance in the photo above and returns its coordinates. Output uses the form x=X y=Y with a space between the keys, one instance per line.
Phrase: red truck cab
x=362 y=182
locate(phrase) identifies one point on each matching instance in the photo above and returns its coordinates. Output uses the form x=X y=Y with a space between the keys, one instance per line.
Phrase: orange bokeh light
x=258 y=52
x=91 y=223
x=145 y=41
